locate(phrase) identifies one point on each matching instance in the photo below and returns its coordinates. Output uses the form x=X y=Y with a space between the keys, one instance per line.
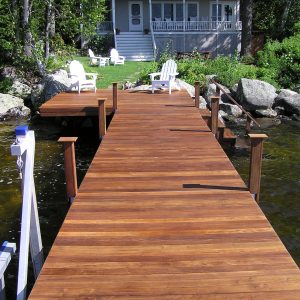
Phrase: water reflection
x=280 y=186
x=49 y=181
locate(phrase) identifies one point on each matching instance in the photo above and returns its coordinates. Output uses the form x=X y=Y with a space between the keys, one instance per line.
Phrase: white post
x=30 y=228
x=217 y=48
x=184 y=24
x=6 y=252
x=113 y=9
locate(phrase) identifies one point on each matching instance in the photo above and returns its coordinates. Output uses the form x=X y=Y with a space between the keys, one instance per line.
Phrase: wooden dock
x=163 y=214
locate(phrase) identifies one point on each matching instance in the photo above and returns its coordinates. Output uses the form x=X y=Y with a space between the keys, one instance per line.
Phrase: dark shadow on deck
x=214 y=187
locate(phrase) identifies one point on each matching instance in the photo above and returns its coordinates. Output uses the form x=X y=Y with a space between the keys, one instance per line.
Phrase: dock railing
x=24 y=149
x=256 y=139
x=250 y=119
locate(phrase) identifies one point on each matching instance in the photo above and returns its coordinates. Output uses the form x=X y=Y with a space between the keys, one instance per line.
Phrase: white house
x=144 y=28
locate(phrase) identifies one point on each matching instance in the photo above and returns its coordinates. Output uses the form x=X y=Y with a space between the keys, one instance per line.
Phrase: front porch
x=179 y=26
x=206 y=24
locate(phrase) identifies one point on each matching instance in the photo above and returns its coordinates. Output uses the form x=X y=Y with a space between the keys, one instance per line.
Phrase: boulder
x=36 y=96
x=56 y=83
x=9 y=72
x=291 y=104
x=255 y=94
x=285 y=93
x=269 y=113
x=20 y=90
x=11 y=106
x=231 y=110
x=211 y=91
x=51 y=85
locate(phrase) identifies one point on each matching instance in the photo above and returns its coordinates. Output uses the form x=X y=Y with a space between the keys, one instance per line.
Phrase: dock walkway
x=163 y=214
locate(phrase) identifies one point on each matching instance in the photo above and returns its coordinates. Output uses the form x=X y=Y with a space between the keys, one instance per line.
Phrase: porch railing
x=196 y=26
x=105 y=27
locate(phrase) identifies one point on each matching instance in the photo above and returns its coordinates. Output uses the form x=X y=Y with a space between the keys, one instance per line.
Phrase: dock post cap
x=257 y=136
x=21 y=130
x=65 y=139
x=215 y=97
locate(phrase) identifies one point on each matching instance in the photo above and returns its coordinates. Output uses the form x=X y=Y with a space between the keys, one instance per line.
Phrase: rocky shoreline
x=259 y=98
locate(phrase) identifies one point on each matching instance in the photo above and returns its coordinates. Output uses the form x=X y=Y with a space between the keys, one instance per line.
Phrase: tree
x=27 y=37
x=246 y=17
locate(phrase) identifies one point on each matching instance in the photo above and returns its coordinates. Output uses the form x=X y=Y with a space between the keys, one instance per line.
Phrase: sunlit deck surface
x=76 y=105
x=163 y=214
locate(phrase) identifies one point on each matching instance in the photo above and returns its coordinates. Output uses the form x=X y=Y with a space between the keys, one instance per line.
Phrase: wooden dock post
x=102 y=117
x=115 y=96
x=248 y=125
x=256 y=163
x=197 y=93
x=70 y=166
x=214 y=115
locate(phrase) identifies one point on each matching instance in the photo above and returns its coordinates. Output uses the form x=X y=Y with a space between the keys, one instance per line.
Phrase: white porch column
x=217 y=47
x=237 y=14
x=184 y=24
x=150 y=12
x=113 y=8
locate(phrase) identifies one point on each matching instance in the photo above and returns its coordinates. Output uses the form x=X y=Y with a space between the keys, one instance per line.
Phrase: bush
x=5 y=85
x=144 y=77
x=282 y=60
x=101 y=44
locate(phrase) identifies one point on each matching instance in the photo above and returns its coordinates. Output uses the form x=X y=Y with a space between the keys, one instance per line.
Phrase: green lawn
x=109 y=74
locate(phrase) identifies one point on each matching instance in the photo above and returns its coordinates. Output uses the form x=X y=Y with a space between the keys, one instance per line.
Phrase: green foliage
x=7 y=32
x=276 y=18
x=101 y=44
x=78 y=17
x=280 y=61
x=144 y=73
x=228 y=70
x=5 y=85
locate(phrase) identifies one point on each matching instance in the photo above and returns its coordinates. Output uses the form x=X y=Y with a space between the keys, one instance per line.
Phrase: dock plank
x=163 y=214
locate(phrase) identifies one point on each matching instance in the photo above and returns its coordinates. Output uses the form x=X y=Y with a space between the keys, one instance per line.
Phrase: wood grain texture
x=163 y=214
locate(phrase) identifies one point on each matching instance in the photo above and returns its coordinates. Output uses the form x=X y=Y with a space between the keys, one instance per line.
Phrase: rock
x=231 y=109
x=285 y=93
x=255 y=94
x=51 y=85
x=291 y=104
x=56 y=83
x=9 y=72
x=20 y=90
x=209 y=77
x=211 y=91
x=268 y=122
x=233 y=91
x=269 y=113
x=11 y=106
x=36 y=96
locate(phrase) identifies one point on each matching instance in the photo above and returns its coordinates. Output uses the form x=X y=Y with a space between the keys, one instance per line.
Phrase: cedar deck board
x=163 y=214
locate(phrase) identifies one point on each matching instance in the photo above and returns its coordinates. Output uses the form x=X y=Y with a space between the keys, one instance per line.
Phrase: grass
x=120 y=73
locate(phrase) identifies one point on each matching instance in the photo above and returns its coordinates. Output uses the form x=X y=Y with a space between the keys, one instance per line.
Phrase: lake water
x=280 y=193
x=49 y=181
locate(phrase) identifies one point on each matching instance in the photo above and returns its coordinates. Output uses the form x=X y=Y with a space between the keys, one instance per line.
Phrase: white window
x=225 y=11
x=174 y=11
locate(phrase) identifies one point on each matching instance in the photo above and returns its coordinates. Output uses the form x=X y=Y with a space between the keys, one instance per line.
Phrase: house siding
x=222 y=43
x=225 y=43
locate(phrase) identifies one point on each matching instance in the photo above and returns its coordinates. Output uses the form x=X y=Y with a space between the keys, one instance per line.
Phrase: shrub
x=101 y=44
x=144 y=74
x=5 y=85
x=282 y=60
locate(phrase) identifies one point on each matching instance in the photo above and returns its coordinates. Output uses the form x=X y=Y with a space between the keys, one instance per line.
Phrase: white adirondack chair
x=96 y=60
x=79 y=77
x=115 y=58
x=166 y=76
